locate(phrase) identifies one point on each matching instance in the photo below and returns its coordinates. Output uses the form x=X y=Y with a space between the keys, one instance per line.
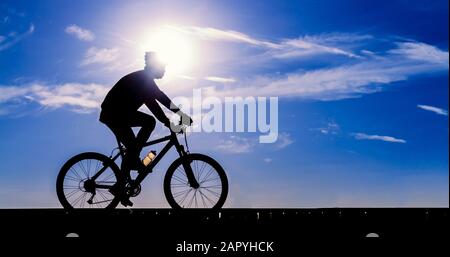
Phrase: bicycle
x=192 y=181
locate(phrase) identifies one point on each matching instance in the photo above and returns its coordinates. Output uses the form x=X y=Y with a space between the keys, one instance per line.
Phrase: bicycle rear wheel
x=76 y=189
x=213 y=181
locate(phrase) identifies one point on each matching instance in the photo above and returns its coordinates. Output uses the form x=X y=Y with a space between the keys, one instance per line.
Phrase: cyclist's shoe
x=126 y=202
x=119 y=192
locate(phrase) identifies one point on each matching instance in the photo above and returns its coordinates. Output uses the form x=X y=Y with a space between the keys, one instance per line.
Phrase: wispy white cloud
x=299 y=47
x=267 y=160
x=421 y=52
x=220 y=79
x=331 y=128
x=236 y=145
x=80 y=33
x=286 y=48
x=363 y=136
x=207 y=33
x=339 y=82
x=78 y=97
x=366 y=73
x=96 y=55
x=14 y=38
x=240 y=144
x=337 y=37
x=284 y=140
x=367 y=52
x=436 y=110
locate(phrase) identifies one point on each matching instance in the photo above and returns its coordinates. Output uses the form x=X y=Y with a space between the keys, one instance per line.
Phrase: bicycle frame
x=173 y=141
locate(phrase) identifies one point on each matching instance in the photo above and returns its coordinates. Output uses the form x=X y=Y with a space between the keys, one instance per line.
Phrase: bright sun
x=173 y=47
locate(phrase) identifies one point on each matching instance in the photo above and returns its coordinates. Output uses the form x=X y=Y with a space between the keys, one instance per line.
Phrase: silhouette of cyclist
x=120 y=109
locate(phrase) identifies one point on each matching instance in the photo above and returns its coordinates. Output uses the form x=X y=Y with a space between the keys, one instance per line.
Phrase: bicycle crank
x=133 y=191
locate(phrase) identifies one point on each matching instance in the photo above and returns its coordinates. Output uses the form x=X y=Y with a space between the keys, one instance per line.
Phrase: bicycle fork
x=187 y=167
x=189 y=173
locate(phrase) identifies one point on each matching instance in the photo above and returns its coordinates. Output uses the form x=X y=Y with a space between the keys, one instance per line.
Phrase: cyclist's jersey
x=129 y=94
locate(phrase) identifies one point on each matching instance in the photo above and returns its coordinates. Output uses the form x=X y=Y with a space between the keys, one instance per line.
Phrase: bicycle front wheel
x=213 y=189
x=76 y=187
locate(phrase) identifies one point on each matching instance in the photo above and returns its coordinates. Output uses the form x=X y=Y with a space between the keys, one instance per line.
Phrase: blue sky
x=362 y=87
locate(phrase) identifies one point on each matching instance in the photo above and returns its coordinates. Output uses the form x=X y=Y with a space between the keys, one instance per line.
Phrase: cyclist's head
x=154 y=65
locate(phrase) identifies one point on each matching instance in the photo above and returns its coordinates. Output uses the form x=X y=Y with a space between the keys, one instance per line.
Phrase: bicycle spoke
x=77 y=200
x=76 y=173
x=190 y=202
x=72 y=178
x=72 y=193
x=196 y=167
x=96 y=166
x=84 y=199
x=207 y=198
x=99 y=202
x=209 y=180
x=210 y=171
x=103 y=196
x=179 y=185
x=201 y=170
x=85 y=168
x=179 y=180
x=200 y=175
x=71 y=187
x=212 y=192
x=215 y=186
x=185 y=196
x=195 y=195
x=181 y=192
x=196 y=173
x=89 y=168
x=82 y=168
x=109 y=176
x=181 y=171
x=203 y=199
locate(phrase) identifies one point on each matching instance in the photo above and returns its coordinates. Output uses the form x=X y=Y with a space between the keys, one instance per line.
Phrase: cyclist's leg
x=122 y=130
x=131 y=160
x=126 y=136
x=120 y=125
x=147 y=124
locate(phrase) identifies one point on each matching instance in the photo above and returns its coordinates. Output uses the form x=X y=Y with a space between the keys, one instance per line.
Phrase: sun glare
x=173 y=47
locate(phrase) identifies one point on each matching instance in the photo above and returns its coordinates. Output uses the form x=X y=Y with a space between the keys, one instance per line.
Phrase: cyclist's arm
x=157 y=111
x=165 y=100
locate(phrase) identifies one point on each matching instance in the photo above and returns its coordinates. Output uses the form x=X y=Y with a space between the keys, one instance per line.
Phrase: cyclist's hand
x=185 y=119
x=175 y=128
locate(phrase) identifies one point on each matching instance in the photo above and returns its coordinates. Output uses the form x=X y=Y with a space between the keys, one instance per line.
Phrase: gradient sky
x=362 y=87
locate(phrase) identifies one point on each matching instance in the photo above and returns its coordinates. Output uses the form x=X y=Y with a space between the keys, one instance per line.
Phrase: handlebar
x=178 y=128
